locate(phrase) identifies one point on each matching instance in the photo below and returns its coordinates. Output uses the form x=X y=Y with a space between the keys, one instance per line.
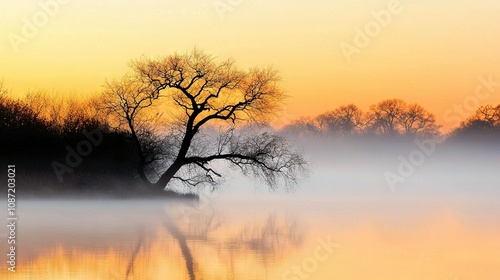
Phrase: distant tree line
x=485 y=122
x=392 y=118
x=37 y=130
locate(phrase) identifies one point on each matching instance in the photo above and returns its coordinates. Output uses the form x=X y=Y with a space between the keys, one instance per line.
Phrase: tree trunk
x=180 y=159
x=168 y=175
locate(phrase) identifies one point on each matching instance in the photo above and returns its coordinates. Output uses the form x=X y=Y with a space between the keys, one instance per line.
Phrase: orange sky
x=420 y=51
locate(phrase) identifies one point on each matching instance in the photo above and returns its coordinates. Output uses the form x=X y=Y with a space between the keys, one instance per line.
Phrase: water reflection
x=247 y=240
x=147 y=240
x=265 y=240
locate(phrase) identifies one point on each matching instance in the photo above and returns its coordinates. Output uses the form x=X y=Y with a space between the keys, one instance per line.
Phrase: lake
x=273 y=236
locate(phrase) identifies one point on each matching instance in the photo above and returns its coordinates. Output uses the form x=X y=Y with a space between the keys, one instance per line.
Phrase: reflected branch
x=137 y=249
x=186 y=252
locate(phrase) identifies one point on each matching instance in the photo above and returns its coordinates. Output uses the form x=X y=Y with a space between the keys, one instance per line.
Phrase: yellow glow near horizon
x=437 y=247
x=431 y=53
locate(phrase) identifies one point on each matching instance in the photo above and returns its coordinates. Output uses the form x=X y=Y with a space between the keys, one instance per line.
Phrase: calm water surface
x=274 y=238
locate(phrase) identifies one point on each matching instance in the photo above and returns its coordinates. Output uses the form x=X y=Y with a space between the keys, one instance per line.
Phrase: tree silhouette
x=345 y=120
x=390 y=117
x=3 y=92
x=383 y=117
x=485 y=121
x=201 y=92
x=128 y=102
x=485 y=116
x=394 y=116
x=302 y=127
x=17 y=116
x=418 y=121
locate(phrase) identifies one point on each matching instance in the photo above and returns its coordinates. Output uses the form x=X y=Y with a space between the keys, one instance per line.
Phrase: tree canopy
x=484 y=121
x=391 y=117
x=217 y=109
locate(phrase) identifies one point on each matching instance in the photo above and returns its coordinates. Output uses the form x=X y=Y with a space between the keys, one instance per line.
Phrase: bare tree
x=38 y=102
x=16 y=114
x=3 y=93
x=202 y=92
x=488 y=114
x=303 y=127
x=383 y=117
x=485 y=118
x=128 y=102
x=395 y=117
x=345 y=120
x=415 y=120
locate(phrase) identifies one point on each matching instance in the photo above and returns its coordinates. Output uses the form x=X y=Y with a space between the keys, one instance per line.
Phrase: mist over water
x=385 y=167
x=250 y=238
x=440 y=223
x=202 y=159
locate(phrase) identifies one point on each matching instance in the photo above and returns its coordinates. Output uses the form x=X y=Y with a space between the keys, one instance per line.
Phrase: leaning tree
x=188 y=112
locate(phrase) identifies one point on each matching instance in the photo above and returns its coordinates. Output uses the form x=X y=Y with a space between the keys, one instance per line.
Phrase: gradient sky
x=431 y=52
